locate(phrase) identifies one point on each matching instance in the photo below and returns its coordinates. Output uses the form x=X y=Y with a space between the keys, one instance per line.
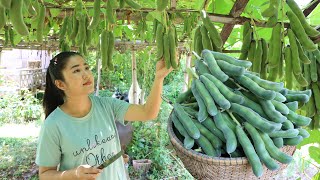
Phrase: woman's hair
x=53 y=96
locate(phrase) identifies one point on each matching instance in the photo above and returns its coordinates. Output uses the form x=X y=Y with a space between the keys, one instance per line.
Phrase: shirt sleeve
x=48 y=148
x=119 y=108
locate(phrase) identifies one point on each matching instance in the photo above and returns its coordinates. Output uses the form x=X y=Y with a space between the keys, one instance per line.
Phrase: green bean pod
x=96 y=15
x=255 y=88
x=250 y=152
x=253 y=118
x=231 y=140
x=260 y=147
x=188 y=142
x=203 y=114
x=206 y=97
x=209 y=124
x=213 y=66
x=16 y=17
x=300 y=33
x=224 y=90
x=298 y=12
x=274 y=151
x=214 y=140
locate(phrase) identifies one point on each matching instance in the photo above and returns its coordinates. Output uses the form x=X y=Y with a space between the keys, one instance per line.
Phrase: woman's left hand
x=161 y=70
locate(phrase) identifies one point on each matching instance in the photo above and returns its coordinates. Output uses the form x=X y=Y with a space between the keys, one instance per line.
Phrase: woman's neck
x=77 y=107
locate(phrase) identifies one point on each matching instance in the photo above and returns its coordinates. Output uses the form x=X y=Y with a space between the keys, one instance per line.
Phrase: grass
x=17 y=157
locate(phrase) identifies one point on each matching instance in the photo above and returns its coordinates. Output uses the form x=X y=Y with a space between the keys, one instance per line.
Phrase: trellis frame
x=229 y=21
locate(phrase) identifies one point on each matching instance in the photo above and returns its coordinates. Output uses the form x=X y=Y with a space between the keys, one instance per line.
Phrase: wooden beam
x=312 y=5
x=316 y=39
x=225 y=32
x=54 y=45
x=236 y=11
x=233 y=18
x=231 y=51
x=136 y=16
x=238 y=8
x=227 y=19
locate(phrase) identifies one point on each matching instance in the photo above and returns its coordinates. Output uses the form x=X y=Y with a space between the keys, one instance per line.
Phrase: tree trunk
x=186 y=75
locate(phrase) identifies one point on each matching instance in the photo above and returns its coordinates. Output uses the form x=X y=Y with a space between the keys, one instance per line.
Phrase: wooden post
x=134 y=79
x=173 y=4
x=99 y=75
x=186 y=75
x=142 y=96
x=0 y=56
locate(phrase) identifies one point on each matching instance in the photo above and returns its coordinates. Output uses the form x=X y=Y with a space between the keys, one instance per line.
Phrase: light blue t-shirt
x=92 y=139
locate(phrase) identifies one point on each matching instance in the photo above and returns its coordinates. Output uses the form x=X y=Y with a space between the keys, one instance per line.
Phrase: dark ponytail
x=53 y=96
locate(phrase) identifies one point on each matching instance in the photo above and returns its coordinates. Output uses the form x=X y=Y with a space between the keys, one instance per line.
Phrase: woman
x=79 y=132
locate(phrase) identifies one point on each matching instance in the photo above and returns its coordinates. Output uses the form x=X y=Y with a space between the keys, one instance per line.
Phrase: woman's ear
x=60 y=84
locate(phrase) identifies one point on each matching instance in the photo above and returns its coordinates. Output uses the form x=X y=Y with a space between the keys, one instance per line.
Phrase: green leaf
x=314 y=16
x=210 y=7
x=117 y=58
x=188 y=4
x=90 y=12
x=234 y=35
x=199 y=5
x=264 y=33
x=265 y=3
x=118 y=31
x=149 y=36
x=56 y=27
x=256 y=13
x=17 y=38
x=149 y=17
x=253 y=10
x=103 y=10
x=316 y=177
x=128 y=32
x=114 y=4
x=141 y=145
x=223 y=7
x=314 y=138
x=314 y=153
x=34 y=24
x=32 y=36
x=157 y=15
x=55 y=12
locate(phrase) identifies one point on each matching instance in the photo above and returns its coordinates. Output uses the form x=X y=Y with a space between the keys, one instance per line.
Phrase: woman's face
x=78 y=78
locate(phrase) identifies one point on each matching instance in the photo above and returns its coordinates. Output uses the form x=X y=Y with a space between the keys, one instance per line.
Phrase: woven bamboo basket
x=202 y=166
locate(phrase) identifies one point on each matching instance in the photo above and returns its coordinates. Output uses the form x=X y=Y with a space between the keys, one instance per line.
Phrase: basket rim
x=199 y=156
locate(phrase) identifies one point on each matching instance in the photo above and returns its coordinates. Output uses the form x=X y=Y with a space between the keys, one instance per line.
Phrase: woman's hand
x=87 y=172
x=161 y=70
